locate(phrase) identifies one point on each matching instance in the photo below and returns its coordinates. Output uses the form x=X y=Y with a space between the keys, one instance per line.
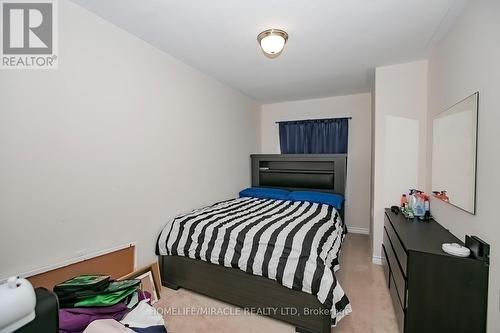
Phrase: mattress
x=294 y=243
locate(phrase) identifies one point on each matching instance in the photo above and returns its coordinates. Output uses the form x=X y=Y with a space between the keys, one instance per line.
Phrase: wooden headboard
x=300 y=172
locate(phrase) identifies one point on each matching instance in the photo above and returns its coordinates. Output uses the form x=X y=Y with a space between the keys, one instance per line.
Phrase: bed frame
x=325 y=173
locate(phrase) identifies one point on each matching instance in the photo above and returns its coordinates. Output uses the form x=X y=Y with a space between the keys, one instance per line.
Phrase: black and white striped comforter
x=294 y=243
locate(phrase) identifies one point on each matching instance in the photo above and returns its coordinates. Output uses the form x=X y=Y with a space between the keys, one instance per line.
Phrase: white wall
x=399 y=157
x=357 y=211
x=106 y=149
x=465 y=61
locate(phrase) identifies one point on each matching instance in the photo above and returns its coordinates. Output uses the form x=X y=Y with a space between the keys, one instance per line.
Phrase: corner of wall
x=400 y=95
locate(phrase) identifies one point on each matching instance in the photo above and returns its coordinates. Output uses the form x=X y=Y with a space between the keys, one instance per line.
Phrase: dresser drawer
x=399 y=281
x=385 y=265
x=396 y=244
x=398 y=310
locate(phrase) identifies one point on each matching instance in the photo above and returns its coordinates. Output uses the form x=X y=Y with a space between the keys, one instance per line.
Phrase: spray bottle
x=419 y=205
x=411 y=200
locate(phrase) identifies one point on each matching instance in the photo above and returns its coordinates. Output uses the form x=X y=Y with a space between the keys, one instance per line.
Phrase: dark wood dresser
x=432 y=291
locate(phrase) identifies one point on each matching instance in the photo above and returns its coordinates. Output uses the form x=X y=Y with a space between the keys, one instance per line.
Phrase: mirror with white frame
x=454 y=149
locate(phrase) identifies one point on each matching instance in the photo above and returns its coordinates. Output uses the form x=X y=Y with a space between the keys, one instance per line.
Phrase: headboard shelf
x=311 y=172
x=299 y=189
x=295 y=171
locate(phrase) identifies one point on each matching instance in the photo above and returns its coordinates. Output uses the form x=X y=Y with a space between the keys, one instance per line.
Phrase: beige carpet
x=362 y=281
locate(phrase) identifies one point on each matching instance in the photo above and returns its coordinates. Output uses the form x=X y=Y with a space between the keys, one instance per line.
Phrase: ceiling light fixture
x=272 y=42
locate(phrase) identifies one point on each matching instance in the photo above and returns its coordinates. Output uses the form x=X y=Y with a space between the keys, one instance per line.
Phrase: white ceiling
x=333 y=45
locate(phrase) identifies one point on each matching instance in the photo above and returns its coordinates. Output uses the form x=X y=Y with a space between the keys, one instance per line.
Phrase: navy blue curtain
x=318 y=136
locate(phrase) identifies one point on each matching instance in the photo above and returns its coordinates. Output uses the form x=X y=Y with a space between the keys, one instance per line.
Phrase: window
x=317 y=136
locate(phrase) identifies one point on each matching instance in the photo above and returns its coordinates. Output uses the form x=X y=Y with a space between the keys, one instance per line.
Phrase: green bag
x=107 y=299
x=82 y=283
x=115 y=292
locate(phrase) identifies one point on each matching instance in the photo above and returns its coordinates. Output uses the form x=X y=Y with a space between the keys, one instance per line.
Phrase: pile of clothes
x=95 y=304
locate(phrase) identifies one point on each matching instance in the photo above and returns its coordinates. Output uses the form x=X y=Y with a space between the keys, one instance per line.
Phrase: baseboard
x=356 y=230
x=377 y=260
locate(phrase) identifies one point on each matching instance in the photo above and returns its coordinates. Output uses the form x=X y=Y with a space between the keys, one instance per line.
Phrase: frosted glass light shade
x=272 y=42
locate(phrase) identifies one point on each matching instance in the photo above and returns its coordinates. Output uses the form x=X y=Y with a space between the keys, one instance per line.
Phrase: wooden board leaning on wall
x=116 y=264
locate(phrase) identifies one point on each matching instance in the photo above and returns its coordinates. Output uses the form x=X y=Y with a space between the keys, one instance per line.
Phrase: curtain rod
x=286 y=121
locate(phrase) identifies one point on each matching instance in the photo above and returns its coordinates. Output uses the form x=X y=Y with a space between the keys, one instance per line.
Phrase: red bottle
x=404 y=201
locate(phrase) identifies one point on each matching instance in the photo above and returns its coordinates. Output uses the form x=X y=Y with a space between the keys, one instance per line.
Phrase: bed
x=274 y=257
